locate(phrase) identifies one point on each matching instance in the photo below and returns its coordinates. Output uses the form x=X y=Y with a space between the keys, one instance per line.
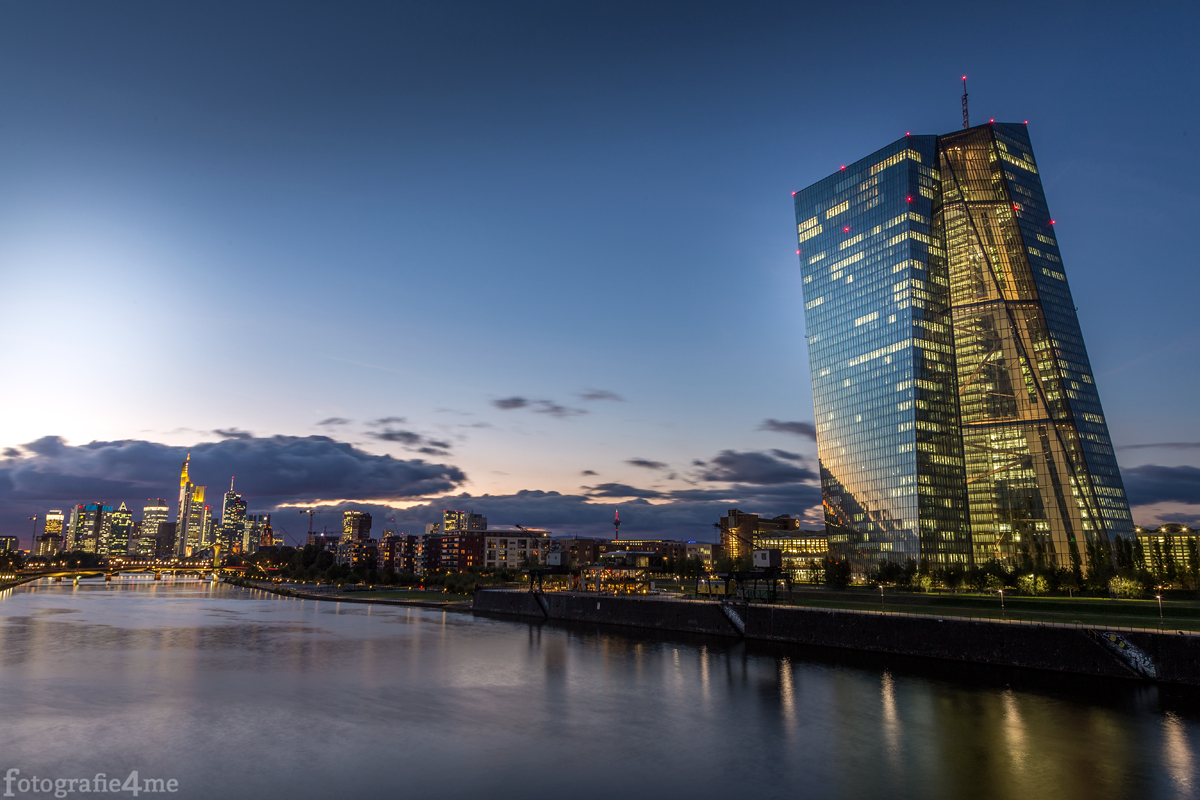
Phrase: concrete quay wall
x=1061 y=648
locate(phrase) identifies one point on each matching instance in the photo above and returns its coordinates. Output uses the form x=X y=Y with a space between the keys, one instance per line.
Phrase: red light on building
x=843 y=166
x=846 y=229
x=797 y=252
x=1051 y=222
x=793 y=194
x=908 y=199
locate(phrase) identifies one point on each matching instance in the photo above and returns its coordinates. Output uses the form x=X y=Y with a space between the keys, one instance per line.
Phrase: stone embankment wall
x=1074 y=649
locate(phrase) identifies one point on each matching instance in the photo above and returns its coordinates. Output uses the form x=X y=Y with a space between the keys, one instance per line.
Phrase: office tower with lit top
x=191 y=517
x=957 y=416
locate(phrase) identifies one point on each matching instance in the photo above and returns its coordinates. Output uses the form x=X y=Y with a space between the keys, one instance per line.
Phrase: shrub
x=1125 y=587
x=1032 y=585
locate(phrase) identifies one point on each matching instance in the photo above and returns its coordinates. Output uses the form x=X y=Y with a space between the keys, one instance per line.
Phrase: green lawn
x=1181 y=616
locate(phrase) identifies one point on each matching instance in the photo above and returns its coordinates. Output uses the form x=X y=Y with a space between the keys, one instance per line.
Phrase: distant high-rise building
x=190 y=518
x=149 y=542
x=355 y=525
x=254 y=529
x=72 y=527
x=462 y=521
x=9 y=544
x=166 y=539
x=51 y=541
x=93 y=526
x=957 y=416
x=232 y=530
x=120 y=531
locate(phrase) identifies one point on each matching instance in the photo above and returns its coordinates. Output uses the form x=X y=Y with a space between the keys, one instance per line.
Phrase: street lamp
x=1001 y=600
x=881 y=594
x=1160 y=617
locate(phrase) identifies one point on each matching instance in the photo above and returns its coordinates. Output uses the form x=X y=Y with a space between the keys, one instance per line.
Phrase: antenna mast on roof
x=616 y=524
x=966 y=119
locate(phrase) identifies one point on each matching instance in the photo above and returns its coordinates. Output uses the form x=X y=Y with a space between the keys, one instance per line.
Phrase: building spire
x=231 y=483
x=183 y=475
x=966 y=118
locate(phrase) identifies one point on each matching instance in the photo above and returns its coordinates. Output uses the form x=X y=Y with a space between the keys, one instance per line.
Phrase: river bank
x=1132 y=653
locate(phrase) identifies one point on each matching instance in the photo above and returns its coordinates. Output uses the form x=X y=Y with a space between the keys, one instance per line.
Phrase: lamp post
x=881 y=594
x=1158 y=597
x=1001 y=601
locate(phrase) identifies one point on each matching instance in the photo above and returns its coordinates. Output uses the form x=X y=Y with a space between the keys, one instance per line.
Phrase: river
x=236 y=693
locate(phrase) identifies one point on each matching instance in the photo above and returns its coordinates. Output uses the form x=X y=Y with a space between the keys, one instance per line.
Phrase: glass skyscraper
x=956 y=412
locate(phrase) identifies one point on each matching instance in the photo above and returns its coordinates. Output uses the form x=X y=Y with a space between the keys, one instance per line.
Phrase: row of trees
x=1127 y=572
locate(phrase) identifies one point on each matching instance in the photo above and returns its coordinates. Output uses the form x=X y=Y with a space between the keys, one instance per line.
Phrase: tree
x=1032 y=584
x=1193 y=562
x=837 y=573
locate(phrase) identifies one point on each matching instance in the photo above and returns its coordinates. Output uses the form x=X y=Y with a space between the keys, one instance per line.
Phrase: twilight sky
x=536 y=260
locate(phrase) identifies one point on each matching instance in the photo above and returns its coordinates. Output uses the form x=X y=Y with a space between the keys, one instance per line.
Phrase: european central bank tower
x=957 y=416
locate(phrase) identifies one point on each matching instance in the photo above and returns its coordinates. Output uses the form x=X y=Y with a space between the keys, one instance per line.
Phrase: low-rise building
x=1169 y=550
x=738 y=531
x=400 y=553
x=581 y=551
x=801 y=550
x=668 y=549
x=515 y=549
x=356 y=553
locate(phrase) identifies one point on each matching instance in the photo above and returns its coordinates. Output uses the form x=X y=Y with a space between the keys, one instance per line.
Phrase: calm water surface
x=239 y=694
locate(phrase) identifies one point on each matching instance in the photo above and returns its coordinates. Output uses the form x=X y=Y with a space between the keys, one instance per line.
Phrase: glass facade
x=957 y=417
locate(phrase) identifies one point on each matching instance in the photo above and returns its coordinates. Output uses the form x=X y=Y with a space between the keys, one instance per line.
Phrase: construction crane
x=312 y=512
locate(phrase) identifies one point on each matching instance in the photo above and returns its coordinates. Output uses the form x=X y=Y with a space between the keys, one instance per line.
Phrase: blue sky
x=255 y=218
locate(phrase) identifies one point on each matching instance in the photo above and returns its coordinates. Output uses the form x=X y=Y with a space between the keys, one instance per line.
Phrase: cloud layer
x=274 y=470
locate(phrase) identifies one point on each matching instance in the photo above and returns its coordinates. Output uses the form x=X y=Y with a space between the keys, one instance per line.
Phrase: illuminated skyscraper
x=120 y=531
x=233 y=521
x=93 y=525
x=957 y=416
x=149 y=542
x=356 y=525
x=51 y=540
x=191 y=515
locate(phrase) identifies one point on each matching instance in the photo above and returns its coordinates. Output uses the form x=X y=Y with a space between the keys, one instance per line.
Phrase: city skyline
x=617 y=321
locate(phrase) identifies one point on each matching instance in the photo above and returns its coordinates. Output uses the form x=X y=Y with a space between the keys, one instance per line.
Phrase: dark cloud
x=589 y=472
x=334 y=421
x=786 y=455
x=412 y=441
x=387 y=421
x=1190 y=520
x=600 y=394
x=555 y=410
x=233 y=433
x=805 y=429
x=1162 y=446
x=1154 y=484
x=754 y=468
x=271 y=471
x=538 y=406
x=620 y=490
x=11 y=452
x=399 y=437
x=646 y=463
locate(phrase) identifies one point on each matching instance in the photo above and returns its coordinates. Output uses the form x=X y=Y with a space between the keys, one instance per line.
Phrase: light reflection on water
x=242 y=694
